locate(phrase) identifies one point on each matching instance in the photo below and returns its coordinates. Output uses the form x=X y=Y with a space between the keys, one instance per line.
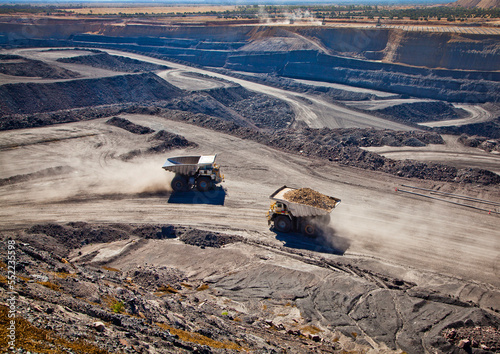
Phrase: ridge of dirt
x=167 y=142
x=480 y=142
x=47 y=172
x=28 y=98
x=325 y=143
x=113 y=62
x=418 y=112
x=129 y=126
x=16 y=65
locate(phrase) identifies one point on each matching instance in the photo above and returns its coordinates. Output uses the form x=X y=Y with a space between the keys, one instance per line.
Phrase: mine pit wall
x=446 y=66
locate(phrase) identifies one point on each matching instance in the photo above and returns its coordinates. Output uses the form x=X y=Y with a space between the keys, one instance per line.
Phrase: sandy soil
x=377 y=222
x=452 y=153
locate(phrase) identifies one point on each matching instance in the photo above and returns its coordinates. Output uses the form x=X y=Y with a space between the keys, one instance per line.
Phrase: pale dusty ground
x=421 y=240
x=377 y=222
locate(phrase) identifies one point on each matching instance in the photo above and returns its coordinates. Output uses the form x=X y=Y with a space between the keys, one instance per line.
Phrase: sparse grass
x=3 y=265
x=50 y=285
x=3 y=279
x=311 y=329
x=202 y=287
x=111 y=269
x=193 y=337
x=118 y=307
x=65 y=261
x=165 y=289
x=112 y=303
x=33 y=339
x=63 y=275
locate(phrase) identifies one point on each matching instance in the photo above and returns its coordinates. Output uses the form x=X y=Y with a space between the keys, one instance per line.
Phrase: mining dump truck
x=300 y=210
x=200 y=172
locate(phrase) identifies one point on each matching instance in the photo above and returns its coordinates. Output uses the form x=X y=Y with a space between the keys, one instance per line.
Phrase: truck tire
x=309 y=229
x=283 y=223
x=204 y=184
x=179 y=183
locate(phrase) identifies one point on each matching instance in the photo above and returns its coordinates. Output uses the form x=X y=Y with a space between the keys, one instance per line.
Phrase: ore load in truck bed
x=312 y=198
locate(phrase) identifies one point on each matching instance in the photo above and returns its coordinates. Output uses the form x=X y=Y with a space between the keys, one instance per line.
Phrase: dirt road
x=373 y=224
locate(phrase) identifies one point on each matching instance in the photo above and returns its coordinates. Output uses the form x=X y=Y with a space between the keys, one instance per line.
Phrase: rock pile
x=129 y=126
x=113 y=62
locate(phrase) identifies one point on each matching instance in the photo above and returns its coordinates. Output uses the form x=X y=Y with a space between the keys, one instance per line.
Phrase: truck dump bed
x=188 y=165
x=301 y=209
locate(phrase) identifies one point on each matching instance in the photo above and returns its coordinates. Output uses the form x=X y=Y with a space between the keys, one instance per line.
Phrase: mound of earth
x=129 y=126
x=490 y=130
x=418 y=112
x=324 y=143
x=113 y=62
x=310 y=197
x=480 y=142
x=169 y=141
x=28 y=98
x=48 y=172
x=19 y=66
x=237 y=104
x=20 y=121
x=207 y=239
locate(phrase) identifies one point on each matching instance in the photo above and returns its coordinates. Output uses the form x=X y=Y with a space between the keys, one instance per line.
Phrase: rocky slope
x=449 y=66
x=16 y=65
x=73 y=298
x=26 y=98
x=113 y=62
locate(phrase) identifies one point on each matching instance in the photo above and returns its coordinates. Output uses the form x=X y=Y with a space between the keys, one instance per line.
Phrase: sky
x=222 y=2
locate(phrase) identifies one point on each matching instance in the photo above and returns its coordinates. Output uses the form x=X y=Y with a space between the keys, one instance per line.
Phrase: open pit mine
x=104 y=251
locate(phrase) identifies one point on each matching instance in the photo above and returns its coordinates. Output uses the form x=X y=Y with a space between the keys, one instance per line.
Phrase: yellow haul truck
x=194 y=171
x=301 y=210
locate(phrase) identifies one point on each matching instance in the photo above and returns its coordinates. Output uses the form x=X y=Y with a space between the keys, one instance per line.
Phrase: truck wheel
x=179 y=184
x=283 y=223
x=204 y=184
x=309 y=229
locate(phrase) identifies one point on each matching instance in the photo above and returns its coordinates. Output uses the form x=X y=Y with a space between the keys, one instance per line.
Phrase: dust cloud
x=102 y=179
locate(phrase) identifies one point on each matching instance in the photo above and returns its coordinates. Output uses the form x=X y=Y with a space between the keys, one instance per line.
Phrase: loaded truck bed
x=301 y=208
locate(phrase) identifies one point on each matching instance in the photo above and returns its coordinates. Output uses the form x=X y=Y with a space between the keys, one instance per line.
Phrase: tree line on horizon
x=451 y=13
